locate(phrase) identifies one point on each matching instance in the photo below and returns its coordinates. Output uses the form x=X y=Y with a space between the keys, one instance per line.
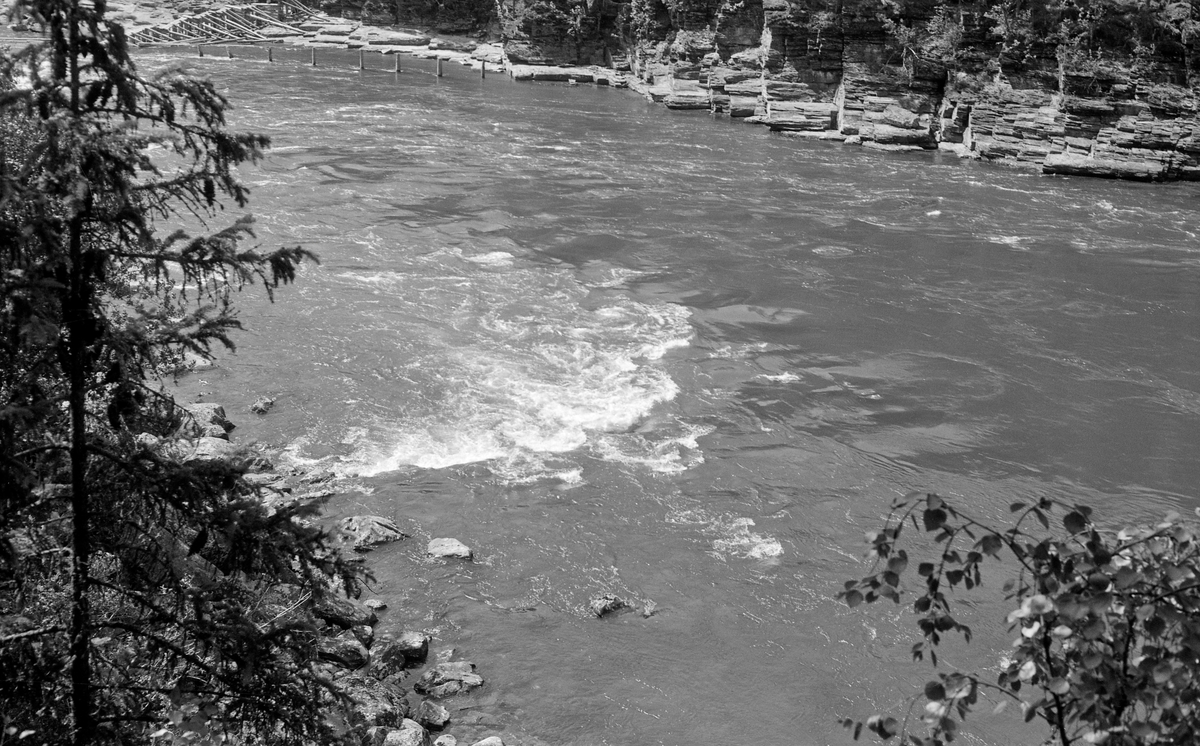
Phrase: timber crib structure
x=260 y=22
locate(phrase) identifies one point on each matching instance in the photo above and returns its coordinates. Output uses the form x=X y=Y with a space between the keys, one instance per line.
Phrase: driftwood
x=237 y=24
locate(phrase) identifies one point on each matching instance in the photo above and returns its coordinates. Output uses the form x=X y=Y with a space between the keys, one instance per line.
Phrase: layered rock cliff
x=1096 y=87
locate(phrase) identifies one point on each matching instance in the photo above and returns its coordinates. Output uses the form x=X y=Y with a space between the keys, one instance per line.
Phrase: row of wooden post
x=361 y=59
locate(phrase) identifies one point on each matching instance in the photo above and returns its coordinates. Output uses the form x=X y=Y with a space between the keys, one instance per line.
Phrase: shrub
x=1106 y=622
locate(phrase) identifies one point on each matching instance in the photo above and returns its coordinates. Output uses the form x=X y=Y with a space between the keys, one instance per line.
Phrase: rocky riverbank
x=401 y=691
x=1055 y=116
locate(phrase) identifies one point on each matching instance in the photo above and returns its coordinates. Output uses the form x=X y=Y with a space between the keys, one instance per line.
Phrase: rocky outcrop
x=205 y=420
x=907 y=75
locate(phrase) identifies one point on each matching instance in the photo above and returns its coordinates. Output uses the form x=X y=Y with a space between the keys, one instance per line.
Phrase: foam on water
x=780 y=378
x=492 y=258
x=738 y=539
x=833 y=251
x=530 y=364
x=731 y=534
x=667 y=449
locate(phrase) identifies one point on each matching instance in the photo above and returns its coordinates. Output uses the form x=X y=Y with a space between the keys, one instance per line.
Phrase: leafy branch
x=1107 y=646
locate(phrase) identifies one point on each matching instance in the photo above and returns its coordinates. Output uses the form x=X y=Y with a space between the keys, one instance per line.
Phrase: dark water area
x=620 y=349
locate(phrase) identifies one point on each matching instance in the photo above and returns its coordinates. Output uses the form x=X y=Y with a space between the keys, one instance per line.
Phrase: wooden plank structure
x=234 y=24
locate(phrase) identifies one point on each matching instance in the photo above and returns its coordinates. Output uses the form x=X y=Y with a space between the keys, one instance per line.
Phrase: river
x=615 y=348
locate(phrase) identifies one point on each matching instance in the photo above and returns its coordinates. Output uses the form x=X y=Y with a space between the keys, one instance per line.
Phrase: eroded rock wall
x=917 y=74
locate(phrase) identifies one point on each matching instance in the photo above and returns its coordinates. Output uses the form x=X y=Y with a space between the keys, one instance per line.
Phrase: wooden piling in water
x=314 y=56
x=482 y=69
x=397 y=61
x=270 y=55
x=439 y=67
x=361 y=66
x=229 y=52
x=200 y=49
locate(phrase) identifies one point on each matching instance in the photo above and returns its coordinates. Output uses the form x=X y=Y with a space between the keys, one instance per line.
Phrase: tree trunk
x=77 y=312
x=81 y=665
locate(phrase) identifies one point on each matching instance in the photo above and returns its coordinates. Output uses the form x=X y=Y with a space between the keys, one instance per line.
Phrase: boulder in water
x=449 y=549
x=608 y=604
x=262 y=405
x=410 y=733
x=343 y=612
x=396 y=654
x=445 y=679
x=367 y=531
x=432 y=715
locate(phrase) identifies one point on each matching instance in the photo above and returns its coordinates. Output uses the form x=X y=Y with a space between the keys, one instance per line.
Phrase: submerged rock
x=371 y=530
x=490 y=741
x=262 y=405
x=445 y=679
x=607 y=604
x=449 y=549
x=446 y=740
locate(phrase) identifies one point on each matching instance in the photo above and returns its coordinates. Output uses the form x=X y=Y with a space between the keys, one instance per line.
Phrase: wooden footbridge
x=260 y=22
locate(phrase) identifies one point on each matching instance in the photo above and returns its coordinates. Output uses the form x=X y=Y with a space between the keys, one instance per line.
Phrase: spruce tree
x=142 y=593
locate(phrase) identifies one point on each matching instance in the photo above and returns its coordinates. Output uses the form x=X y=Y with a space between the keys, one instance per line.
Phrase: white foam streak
x=733 y=534
x=530 y=365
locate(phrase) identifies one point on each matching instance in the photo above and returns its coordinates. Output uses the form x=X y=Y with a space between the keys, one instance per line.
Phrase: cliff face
x=1098 y=87
x=449 y=17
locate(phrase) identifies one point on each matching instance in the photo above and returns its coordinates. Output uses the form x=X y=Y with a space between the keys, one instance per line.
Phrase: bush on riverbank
x=1108 y=622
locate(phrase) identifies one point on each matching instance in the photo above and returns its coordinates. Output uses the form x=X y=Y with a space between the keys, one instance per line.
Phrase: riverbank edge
x=397 y=685
x=1079 y=131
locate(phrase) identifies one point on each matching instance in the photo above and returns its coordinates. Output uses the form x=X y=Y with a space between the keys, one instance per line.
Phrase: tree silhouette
x=147 y=590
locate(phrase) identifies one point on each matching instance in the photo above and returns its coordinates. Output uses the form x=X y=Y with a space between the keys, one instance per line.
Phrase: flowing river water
x=616 y=348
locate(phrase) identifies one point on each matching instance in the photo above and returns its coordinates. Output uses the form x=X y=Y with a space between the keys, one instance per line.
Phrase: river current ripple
x=620 y=349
